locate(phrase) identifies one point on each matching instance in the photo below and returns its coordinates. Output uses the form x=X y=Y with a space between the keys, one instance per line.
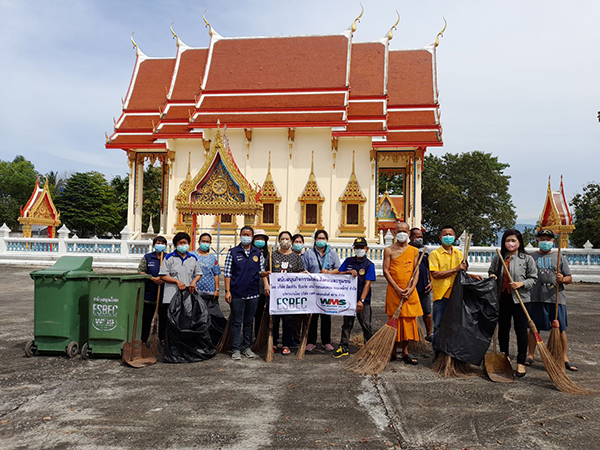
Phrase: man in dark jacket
x=150 y=264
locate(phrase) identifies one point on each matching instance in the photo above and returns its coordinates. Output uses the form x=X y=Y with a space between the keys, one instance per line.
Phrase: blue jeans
x=439 y=308
x=242 y=312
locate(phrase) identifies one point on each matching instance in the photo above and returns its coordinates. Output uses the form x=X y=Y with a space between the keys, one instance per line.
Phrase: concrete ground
x=54 y=402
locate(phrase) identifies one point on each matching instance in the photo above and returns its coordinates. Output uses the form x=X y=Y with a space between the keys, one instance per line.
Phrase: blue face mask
x=259 y=243
x=546 y=246
x=183 y=248
x=204 y=246
x=298 y=247
x=246 y=240
x=448 y=240
x=321 y=243
x=160 y=248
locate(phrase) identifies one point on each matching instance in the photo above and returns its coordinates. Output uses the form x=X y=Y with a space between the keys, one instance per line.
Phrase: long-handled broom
x=224 y=344
x=556 y=371
x=302 y=347
x=263 y=331
x=421 y=345
x=269 y=357
x=154 y=326
x=555 y=343
x=444 y=364
x=375 y=355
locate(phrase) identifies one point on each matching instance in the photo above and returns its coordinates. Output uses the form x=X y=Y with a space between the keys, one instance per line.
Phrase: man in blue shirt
x=150 y=264
x=361 y=267
x=180 y=269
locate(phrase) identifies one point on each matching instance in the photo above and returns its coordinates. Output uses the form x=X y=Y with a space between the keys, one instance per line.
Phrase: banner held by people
x=306 y=293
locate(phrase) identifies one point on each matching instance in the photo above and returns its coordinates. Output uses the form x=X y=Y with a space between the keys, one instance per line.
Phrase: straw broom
x=375 y=355
x=269 y=357
x=224 y=344
x=302 y=347
x=263 y=331
x=154 y=325
x=555 y=343
x=445 y=365
x=556 y=371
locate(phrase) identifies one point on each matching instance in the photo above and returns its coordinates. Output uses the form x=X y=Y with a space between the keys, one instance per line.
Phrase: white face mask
x=285 y=243
x=360 y=252
x=402 y=237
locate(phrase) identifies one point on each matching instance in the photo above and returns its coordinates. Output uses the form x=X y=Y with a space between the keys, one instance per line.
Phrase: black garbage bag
x=187 y=336
x=468 y=323
x=217 y=319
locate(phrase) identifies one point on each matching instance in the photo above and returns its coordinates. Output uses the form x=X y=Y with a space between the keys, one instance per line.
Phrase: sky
x=517 y=79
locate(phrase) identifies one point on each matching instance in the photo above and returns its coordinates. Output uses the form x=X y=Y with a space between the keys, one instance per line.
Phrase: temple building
x=39 y=211
x=556 y=215
x=284 y=133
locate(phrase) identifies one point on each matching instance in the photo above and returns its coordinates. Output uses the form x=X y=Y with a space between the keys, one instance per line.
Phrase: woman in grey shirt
x=524 y=274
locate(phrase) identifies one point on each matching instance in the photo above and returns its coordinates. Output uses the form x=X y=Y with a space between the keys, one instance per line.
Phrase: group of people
x=419 y=284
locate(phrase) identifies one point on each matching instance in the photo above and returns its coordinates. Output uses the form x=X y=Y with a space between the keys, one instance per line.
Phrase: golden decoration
x=311 y=195
x=551 y=218
x=268 y=194
x=353 y=26
x=353 y=196
x=40 y=210
x=390 y=34
x=441 y=33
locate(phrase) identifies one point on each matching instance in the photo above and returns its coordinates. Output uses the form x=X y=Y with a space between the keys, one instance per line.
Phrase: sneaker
x=236 y=356
x=340 y=352
x=310 y=347
x=328 y=347
x=248 y=353
x=429 y=337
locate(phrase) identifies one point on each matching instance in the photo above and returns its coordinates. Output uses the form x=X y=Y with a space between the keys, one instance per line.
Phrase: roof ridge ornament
x=138 y=51
x=441 y=33
x=390 y=34
x=211 y=30
x=357 y=20
x=179 y=41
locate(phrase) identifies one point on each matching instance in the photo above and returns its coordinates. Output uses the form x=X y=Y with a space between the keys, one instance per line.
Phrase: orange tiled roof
x=189 y=74
x=149 y=88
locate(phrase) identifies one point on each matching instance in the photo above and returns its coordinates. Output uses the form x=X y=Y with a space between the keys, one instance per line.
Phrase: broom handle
x=412 y=277
x=529 y=321
x=557 y=285
x=159 y=287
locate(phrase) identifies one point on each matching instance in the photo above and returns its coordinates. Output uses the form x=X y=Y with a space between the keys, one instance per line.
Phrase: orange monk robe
x=401 y=270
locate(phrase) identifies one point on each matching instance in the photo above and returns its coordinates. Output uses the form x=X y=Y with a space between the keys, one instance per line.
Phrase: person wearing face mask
x=524 y=274
x=150 y=264
x=180 y=269
x=399 y=262
x=244 y=266
x=298 y=243
x=444 y=263
x=320 y=259
x=542 y=307
x=285 y=261
x=424 y=283
x=360 y=267
x=260 y=241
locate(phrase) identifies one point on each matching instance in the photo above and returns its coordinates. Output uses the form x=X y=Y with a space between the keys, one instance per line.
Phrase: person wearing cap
x=399 y=263
x=424 y=283
x=260 y=241
x=542 y=307
x=360 y=267
x=320 y=259
x=244 y=267
x=150 y=264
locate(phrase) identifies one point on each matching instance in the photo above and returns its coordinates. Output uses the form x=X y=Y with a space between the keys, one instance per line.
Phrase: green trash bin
x=111 y=312
x=61 y=306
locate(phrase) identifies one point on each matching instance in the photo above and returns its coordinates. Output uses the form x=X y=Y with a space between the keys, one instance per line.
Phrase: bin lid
x=67 y=266
x=119 y=276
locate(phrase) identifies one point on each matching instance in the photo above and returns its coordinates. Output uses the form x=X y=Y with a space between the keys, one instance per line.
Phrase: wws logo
x=332 y=305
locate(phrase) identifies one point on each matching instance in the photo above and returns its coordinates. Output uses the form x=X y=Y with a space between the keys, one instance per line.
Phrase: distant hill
x=521 y=226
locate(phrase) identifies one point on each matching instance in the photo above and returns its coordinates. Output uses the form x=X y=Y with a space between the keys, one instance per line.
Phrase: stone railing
x=126 y=252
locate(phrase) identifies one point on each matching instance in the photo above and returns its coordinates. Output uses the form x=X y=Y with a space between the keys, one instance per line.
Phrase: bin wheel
x=86 y=352
x=72 y=349
x=30 y=349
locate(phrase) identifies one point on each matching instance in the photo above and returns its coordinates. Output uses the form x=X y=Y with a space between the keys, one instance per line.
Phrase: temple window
x=352 y=214
x=353 y=205
x=270 y=199
x=312 y=200
x=268 y=214
x=311 y=213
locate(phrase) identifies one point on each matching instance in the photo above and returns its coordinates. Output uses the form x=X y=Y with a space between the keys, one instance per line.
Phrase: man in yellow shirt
x=444 y=263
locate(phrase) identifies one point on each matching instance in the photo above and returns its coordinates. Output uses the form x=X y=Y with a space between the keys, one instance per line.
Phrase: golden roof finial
x=312 y=164
x=362 y=10
x=137 y=47
x=353 y=162
x=210 y=28
x=269 y=169
x=390 y=34
x=441 y=33
x=218 y=123
x=106 y=137
x=175 y=35
x=189 y=172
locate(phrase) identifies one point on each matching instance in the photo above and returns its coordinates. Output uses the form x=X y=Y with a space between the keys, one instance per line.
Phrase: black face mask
x=417 y=243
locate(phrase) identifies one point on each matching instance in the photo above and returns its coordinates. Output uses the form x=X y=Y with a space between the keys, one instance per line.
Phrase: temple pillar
x=372 y=198
x=418 y=219
x=131 y=192
x=139 y=197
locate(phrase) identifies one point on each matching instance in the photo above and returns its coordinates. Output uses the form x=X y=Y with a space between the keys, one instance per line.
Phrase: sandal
x=570 y=366
x=285 y=351
x=528 y=362
x=410 y=359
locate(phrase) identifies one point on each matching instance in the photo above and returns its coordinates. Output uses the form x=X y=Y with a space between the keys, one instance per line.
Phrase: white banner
x=306 y=293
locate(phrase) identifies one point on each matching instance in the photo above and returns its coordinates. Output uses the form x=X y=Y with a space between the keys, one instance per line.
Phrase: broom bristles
x=555 y=344
x=263 y=332
x=449 y=367
x=269 y=357
x=302 y=347
x=224 y=344
x=421 y=346
x=375 y=355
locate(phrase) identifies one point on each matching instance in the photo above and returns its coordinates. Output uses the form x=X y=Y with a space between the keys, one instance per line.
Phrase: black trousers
x=148 y=315
x=511 y=310
x=288 y=329
x=325 y=329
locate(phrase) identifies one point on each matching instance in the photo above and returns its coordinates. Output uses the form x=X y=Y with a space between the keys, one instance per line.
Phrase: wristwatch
x=362 y=300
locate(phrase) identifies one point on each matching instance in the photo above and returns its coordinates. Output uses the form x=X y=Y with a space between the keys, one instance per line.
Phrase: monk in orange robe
x=399 y=262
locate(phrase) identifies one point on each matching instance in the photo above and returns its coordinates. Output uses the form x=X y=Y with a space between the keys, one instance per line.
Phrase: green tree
x=586 y=209
x=56 y=183
x=530 y=236
x=393 y=183
x=152 y=197
x=17 y=179
x=88 y=205
x=120 y=187
x=468 y=191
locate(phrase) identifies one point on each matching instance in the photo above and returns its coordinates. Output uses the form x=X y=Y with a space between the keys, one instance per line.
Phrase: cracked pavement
x=55 y=402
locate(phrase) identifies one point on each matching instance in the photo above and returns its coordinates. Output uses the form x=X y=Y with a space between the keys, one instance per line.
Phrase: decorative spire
x=390 y=34
x=312 y=166
x=311 y=191
x=189 y=172
x=268 y=190
x=353 y=193
x=353 y=26
x=179 y=42
x=211 y=31
x=138 y=52
x=441 y=33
